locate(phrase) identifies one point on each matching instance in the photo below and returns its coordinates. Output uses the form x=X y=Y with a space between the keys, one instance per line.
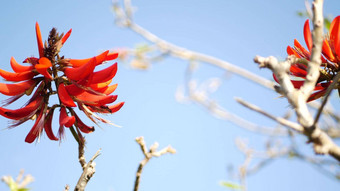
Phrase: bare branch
x=21 y=181
x=88 y=168
x=280 y=120
x=67 y=188
x=88 y=172
x=148 y=155
x=182 y=53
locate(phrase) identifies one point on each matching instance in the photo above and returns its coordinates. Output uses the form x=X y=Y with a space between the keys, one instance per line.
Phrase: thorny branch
x=148 y=154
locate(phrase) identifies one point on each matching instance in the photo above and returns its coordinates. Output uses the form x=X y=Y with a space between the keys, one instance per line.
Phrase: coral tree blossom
x=76 y=84
x=330 y=59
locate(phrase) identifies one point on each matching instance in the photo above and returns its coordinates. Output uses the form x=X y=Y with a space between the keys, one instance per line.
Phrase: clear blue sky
x=234 y=31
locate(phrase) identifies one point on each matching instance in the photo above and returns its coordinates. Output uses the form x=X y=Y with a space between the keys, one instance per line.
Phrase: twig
x=81 y=152
x=67 y=188
x=328 y=92
x=88 y=168
x=21 y=181
x=280 y=120
x=148 y=155
x=125 y=19
x=88 y=172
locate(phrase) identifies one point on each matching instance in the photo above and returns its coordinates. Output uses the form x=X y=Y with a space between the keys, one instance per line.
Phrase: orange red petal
x=308 y=35
x=64 y=97
x=23 y=112
x=95 y=100
x=81 y=72
x=39 y=40
x=82 y=126
x=64 y=119
x=335 y=34
x=105 y=74
x=117 y=107
x=17 y=77
x=111 y=56
x=16 y=89
x=48 y=126
x=37 y=128
x=42 y=67
x=80 y=62
x=19 y=68
x=65 y=37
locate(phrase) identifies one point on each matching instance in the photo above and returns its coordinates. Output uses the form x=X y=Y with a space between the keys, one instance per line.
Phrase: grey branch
x=148 y=154
x=88 y=172
x=124 y=18
x=88 y=168
x=280 y=120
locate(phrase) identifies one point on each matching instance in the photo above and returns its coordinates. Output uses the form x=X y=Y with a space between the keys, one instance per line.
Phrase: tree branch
x=88 y=168
x=88 y=172
x=148 y=154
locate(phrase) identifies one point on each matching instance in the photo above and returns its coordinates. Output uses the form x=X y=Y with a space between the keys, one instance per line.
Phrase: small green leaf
x=231 y=185
x=301 y=14
x=23 y=189
x=142 y=48
x=327 y=22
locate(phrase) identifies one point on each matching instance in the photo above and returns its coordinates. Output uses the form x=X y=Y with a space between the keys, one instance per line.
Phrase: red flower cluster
x=330 y=59
x=76 y=82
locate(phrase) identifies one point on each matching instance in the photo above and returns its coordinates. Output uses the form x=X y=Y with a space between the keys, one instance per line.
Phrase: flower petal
x=335 y=34
x=297 y=71
x=291 y=51
x=95 y=100
x=317 y=95
x=17 y=77
x=81 y=72
x=37 y=128
x=115 y=108
x=308 y=35
x=64 y=97
x=42 y=67
x=39 y=40
x=78 y=87
x=31 y=60
x=80 y=62
x=64 y=119
x=82 y=126
x=301 y=51
x=19 y=68
x=16 y=89
x=327 y=51
x=111 y=56
x=65 y=37
x=23 y=112
x=48 y=126
x=105 y=74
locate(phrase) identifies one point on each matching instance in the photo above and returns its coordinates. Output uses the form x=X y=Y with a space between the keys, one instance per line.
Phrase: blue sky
x=234 y=31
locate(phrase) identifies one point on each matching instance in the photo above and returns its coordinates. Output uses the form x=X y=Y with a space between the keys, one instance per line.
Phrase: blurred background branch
x=157 y=49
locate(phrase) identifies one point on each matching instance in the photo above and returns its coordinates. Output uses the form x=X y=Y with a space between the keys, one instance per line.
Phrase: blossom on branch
x=330 y=59
x=77 y=84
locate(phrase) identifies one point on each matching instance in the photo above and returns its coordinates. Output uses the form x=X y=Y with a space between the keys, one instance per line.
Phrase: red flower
x=330 y=59
x=76 y=82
